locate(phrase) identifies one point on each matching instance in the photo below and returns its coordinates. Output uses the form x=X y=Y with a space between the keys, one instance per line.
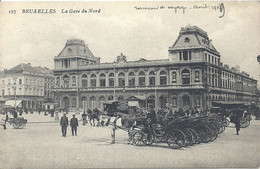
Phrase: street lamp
x=155 y=94
x=114 y=80
x=14 y=79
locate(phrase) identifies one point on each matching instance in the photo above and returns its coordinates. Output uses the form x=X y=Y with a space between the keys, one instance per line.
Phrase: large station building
x=193 y=76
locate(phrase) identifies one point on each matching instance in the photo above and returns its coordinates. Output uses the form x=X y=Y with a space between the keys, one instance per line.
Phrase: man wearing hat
x=74 y=124
x=64 y=122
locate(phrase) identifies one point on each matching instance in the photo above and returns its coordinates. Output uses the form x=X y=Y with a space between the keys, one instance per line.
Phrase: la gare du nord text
x=52 y=11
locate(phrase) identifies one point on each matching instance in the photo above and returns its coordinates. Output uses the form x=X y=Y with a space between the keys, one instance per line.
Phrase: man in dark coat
x=237 y=125
x=74 y=124
x=64 y=122
x=15 y=115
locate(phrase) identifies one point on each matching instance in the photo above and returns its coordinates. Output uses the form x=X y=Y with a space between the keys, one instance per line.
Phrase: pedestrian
x=237 y=125
x=56 y=116
x=39 y=111
x=64 y=124
x=74 y=124
x=84 y=118
x=20 y=112
x=15 y=115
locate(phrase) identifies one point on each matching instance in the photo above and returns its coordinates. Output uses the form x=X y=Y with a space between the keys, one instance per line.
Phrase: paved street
x=40 y=145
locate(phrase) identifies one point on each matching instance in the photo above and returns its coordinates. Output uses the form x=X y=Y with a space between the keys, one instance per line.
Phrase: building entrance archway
x=186 y=102
x=65 y=102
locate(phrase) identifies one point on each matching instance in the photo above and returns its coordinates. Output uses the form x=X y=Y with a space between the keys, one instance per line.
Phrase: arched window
x=74 y=102
x=174 y=77
x=163 y=102
x=131 y=79
x=65 y=102
x=66 y=80
x=141 y=79
x=73 y=81
x=163 y=78
x=57 y=81
x=102 y=80
x=93 y=80
x=84 y=80
x=93 y=102
x=197 y=101
x=111 y=79
x=83 y=103
x=152 y=78
x=185 y=76
x=111 y=98
x=121 y=79
x=101 y=101
x=197 y=76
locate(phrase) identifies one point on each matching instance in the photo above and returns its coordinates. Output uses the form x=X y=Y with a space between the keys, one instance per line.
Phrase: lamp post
x=114 y=80
x=155 y=92
x=14 y=79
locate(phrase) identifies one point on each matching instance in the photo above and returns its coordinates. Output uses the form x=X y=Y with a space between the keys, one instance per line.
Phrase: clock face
x=186 y=40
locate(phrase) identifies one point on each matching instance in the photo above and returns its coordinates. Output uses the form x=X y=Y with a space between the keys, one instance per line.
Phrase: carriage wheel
x=139 y=139
x=175 y=139
x=16 y=125
x=150 y=139
x=243 y=123
x=226 y=122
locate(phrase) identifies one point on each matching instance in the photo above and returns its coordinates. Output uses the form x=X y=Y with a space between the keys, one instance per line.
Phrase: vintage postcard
x=130 y=84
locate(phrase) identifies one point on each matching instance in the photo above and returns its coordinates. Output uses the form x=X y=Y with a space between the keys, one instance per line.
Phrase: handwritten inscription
x=183 y=9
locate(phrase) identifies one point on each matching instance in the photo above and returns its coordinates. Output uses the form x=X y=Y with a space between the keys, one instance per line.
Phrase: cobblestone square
x=40 y=145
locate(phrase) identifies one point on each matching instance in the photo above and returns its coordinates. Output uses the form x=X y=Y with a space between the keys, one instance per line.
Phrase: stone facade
x=193 y=76
x=31 y=85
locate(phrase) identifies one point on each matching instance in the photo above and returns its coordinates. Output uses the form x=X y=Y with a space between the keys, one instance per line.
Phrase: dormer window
x=69 y=50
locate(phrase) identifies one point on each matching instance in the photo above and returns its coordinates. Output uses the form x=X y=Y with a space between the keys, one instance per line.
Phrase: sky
x=119 y=27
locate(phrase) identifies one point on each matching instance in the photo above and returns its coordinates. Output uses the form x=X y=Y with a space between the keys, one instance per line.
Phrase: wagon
x=18 y=123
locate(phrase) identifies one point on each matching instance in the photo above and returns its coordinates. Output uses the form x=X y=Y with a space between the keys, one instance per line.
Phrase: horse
x=125 y=122
x=92 y=115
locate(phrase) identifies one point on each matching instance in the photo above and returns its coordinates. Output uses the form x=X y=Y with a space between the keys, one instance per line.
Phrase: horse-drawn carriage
x=17 y=123
x=244 y=116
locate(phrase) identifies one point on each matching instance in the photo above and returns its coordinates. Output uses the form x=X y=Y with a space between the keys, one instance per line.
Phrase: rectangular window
x=20 y=81
x=9 y=81
x=3 y=92
x=205 y=57
x=209 y=58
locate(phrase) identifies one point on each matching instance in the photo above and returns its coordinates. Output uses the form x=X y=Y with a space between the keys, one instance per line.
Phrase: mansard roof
x=191 y=37
x=76 y=48
x=23 y=67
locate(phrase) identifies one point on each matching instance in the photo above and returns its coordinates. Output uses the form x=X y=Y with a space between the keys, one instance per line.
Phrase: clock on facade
x=186 y=40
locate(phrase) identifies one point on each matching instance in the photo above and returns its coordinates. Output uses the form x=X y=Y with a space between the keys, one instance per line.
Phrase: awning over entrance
x=142 y=98
x=13 y=103
x=133 y=103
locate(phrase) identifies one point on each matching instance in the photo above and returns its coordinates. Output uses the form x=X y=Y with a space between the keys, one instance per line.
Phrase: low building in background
x=193 y=76
x=28 y=87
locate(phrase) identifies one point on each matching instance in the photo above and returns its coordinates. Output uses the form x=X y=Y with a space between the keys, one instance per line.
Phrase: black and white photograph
x=130 y=84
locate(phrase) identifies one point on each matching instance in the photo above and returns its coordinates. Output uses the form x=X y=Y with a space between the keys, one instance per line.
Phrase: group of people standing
x=64 y=122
